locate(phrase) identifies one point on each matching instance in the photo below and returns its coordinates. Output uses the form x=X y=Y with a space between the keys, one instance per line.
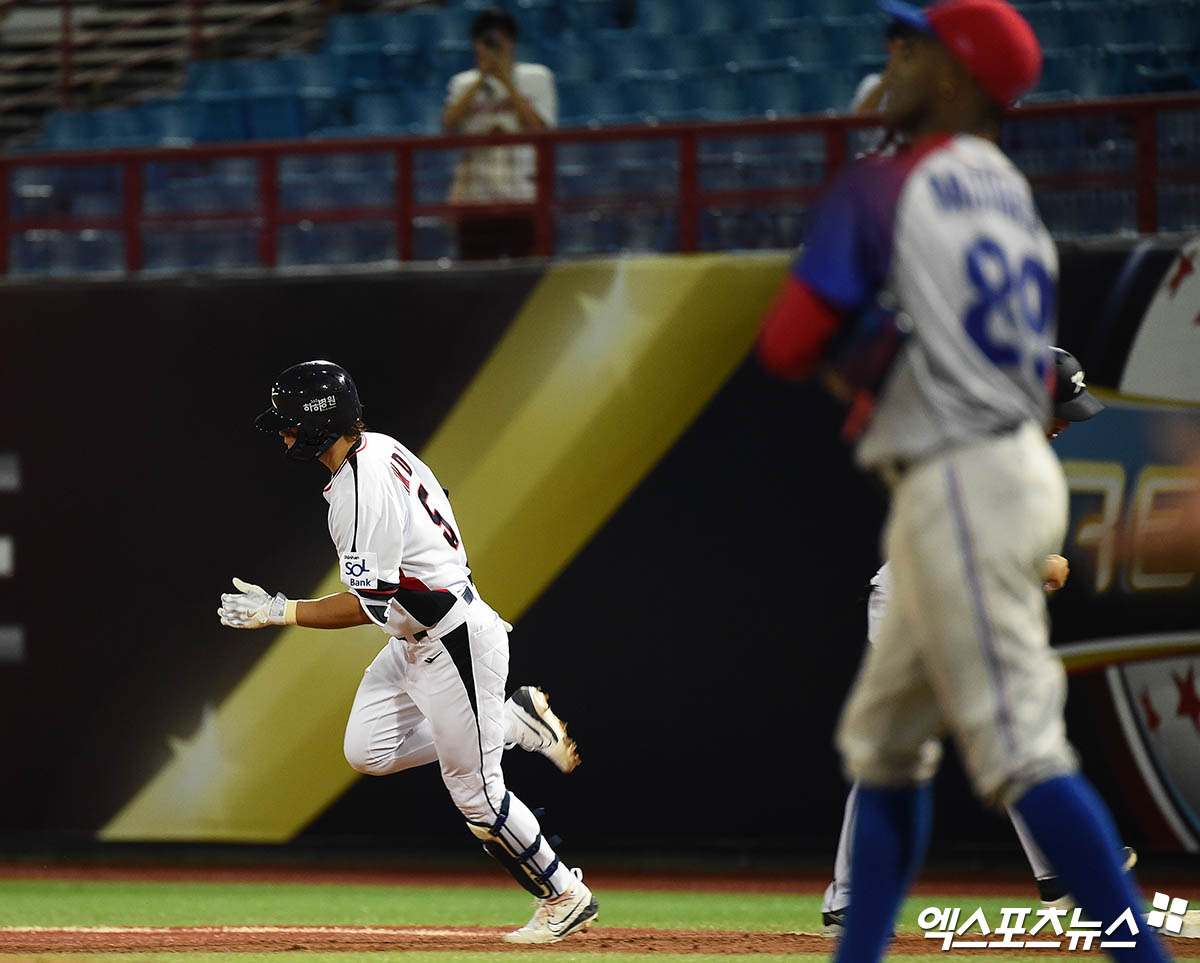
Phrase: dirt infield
x=260 y=939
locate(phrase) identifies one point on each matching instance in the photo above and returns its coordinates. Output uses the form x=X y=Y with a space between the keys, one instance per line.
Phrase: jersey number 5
x=447 y=531
x=1022 y=301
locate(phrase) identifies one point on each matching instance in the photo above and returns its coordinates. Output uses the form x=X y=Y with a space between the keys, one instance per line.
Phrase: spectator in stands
x=497 y=95
x=868 y=98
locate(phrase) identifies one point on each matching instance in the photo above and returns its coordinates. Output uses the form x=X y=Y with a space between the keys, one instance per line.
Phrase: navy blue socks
x=1073 y=828
x=890 y=836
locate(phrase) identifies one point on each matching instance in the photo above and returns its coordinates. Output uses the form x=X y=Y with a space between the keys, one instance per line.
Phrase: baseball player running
x=435 y=692
x=1072 y=402
x=936 y=260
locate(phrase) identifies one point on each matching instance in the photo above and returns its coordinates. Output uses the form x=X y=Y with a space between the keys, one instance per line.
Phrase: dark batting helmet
x=319 y=400
x=1072 y=400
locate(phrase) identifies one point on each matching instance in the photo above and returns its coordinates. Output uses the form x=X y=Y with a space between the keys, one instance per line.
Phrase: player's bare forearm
x=339 y=611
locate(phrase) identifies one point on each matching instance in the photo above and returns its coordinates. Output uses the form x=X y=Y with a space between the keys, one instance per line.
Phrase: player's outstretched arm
x=251 y=607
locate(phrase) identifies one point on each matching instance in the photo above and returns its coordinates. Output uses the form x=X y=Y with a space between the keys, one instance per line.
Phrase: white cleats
x=557 y=918
x=534 y=727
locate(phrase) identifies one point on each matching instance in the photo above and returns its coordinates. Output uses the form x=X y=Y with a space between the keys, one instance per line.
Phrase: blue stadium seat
x=351 y=33
x=68 y=129
x=96 y=252
x=826 y=89
x=835 y=8
x=1127 y=67
x=852 y=37
x=606 y=104
x=804 y=40
x=222 y=120
x=645 y=229
x=317 y=74
x=687 y=52
x=409 y=71
x=383 y=113
x=585 y=16
x=368 y=70
x=433 y=239
x=401 y=32
x=747 y=50
x=1077 y=69
x=1167 y=22
x=1161 y=80
x=445 y=62
x=427 y=115
x=210 y=76
x=626 y=51
x=664 y=18
x=453 y=29
x=262 y=76
x=323 y=84
x=714 y=94
x=777 y=91
x=1093 y=22
x=117 y=127
x=171 y=122
x=765 y=12
x=715 y=17
x=275 y=116
x=574 y=62
x=1049 y=22
x=572 y=103
x=657 y=95
x=539 y=19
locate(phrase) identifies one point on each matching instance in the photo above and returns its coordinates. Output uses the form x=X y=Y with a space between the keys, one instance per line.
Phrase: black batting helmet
x=1072 y=400
x=319 y=400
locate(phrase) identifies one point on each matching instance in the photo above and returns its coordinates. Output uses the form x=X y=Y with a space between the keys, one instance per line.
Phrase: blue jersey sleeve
x=848 y=248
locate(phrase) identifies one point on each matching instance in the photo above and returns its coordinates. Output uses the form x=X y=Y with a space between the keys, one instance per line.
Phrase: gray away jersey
x=943 y=234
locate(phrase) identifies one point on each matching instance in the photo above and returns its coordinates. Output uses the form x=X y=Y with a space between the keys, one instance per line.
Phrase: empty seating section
x=615 y=62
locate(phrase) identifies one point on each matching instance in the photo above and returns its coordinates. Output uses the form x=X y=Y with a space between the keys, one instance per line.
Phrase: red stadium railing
x=1144 y=175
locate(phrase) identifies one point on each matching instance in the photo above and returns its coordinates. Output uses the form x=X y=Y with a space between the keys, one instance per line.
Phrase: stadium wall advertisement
x=682 y=543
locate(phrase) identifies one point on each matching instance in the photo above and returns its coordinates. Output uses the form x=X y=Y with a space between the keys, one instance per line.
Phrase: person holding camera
x=497 y=95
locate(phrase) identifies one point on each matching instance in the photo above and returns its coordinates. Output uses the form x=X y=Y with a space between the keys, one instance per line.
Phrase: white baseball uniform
x=945 y=237
x=435 y=692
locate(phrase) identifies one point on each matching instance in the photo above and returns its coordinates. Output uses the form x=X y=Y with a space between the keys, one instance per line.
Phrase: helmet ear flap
x=312 y=441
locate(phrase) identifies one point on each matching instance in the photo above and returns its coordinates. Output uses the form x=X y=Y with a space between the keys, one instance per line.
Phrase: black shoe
x=1053 y=890
x=833 y=924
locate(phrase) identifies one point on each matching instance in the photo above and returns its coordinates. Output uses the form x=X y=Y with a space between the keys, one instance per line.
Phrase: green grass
x=71 y=903
x=61 y=903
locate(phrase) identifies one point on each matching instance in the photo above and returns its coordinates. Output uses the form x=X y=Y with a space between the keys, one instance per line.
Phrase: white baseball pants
x=443 y=701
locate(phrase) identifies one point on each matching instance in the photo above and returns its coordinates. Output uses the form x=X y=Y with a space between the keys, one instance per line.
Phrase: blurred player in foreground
x=934 y=265
x=435 y=692
x=1072 y=402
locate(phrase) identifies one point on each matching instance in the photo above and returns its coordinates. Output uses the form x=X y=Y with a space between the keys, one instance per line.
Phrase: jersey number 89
x=1022 y=300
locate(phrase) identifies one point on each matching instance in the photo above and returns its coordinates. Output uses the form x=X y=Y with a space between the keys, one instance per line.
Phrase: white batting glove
x=250 y=607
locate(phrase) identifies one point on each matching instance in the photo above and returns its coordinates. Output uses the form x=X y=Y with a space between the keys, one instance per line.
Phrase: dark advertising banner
x=699 y=626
